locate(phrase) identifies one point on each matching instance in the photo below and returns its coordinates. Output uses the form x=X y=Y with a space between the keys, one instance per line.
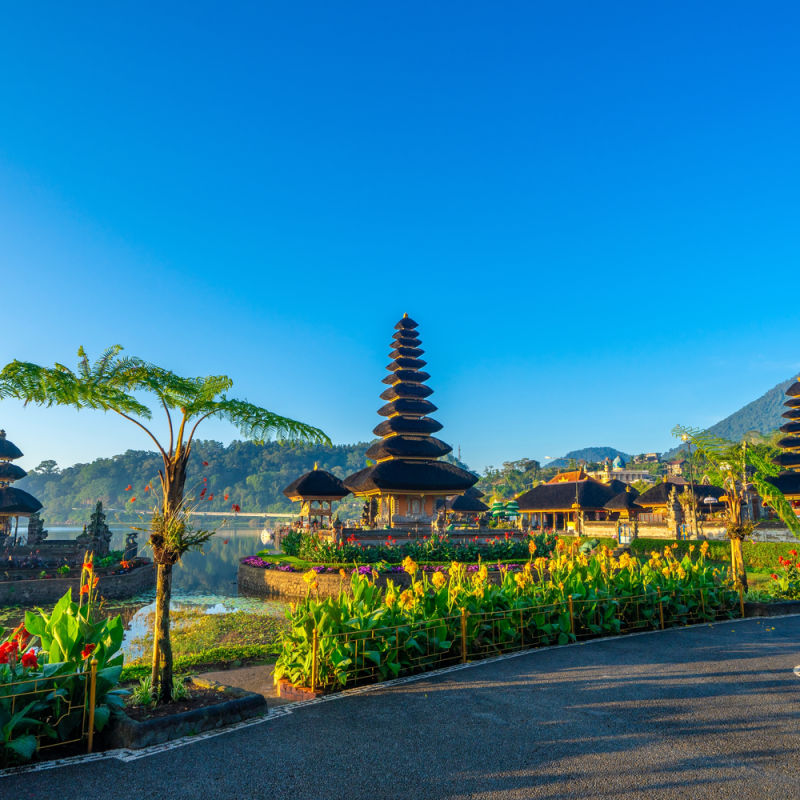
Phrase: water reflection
x=211 y=573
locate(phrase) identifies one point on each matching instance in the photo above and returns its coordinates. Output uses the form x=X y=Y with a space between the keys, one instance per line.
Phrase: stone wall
x=48 y=590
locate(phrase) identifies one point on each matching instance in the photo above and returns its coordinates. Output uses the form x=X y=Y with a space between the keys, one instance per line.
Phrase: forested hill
x=253 y=476
x=762 y=415
x=590 y=454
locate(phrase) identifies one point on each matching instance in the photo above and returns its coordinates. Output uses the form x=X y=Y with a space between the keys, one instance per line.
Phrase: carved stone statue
x=96 y=535
x=131 y=546
x=36 y=532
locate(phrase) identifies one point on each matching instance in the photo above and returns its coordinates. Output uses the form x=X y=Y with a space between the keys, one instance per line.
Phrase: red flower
x=29 y=659
x=85 y=588
x=774 y=576
x=236 y=508
x=128 y=488
x=205 y=463
x=87 y=651
x=132 y=500
x=211 y=497
x=203 y=492
x=147 y=488
x=225 y=541
x=793 y=552
x=225 y=497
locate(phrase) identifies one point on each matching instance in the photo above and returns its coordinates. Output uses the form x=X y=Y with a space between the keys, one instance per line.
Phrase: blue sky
x=590 y=208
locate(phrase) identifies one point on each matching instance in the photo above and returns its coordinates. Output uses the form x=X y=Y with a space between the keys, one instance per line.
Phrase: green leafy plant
x=63 y=569
x=142 y=695
x=179 y=690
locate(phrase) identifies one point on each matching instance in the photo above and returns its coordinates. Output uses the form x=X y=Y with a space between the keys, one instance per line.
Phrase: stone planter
x=122 y=731
x=772 y=609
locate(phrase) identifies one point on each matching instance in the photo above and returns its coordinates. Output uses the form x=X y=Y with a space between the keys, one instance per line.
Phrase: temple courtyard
x=710 y=711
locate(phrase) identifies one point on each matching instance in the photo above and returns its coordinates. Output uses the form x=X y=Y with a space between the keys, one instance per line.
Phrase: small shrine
x=789 y=458
x=96 y=535
x=14 y=503
x=316 y=491
x=408 y=482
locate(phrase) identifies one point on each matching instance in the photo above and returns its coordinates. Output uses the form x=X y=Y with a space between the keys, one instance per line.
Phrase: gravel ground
x=704 y=712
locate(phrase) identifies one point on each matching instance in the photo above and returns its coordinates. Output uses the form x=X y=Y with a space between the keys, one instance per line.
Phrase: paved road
x=707 y=712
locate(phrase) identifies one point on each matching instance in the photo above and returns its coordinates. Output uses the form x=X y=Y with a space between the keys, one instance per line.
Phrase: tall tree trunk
x=166 y=553
x=162 y=645
x=737 y=563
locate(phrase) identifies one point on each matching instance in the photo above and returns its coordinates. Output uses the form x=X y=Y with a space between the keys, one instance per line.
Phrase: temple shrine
x=789 y=458
x=14 y=503
x=408 y=484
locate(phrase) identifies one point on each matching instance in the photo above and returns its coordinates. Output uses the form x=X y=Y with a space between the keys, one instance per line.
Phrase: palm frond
x=777 y=500
x=260 y=425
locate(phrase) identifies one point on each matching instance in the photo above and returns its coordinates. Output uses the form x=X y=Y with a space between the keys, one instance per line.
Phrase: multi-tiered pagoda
x=14 y=503
x=408 y=478
x=789 y=457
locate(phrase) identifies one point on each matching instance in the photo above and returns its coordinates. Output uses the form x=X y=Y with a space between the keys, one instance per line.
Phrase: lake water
x=210 y=573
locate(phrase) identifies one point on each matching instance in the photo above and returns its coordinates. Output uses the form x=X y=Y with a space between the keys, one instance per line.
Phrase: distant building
x=647 y=458
x=675 y=467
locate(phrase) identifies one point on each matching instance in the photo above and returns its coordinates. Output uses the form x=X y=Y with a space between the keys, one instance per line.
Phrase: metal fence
x=58 y=710
x=363 y=656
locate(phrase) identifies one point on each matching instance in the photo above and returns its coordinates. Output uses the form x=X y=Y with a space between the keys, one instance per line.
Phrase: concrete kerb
x=278 y=712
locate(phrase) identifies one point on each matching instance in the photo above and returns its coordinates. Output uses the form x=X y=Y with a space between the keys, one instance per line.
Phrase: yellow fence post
x=463 y=635
x=92 y=696
x=571 y=616
x=314 y=646
x=741 y=599
x=660 y=610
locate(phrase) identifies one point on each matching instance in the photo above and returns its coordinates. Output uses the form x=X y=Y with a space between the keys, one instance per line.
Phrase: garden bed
x=216 y=705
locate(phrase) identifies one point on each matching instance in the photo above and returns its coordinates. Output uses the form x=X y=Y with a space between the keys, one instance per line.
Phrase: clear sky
x=590 y=208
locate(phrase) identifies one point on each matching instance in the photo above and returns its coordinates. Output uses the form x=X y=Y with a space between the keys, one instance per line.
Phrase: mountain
x=762 y=415
x=590 y=454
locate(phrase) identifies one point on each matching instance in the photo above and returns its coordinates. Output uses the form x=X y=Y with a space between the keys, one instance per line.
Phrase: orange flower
x=147 y=488
x=128 y=488
x=87 y=651
x=125 y=564
x=132 y=500
x=95 y=581
x=85 y=588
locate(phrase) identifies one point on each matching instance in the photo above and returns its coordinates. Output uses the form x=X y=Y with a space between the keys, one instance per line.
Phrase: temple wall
x=47 y=590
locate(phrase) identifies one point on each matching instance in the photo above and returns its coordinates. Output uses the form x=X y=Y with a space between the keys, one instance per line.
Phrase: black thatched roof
x=414 y=425
x=624 y=501
x=787 y=482
x=8 y=449
x=790 y=427
x=406 y=323
x=794 y=389
x=411 y=476
x=406 y=390
x=793 y=402
x=792 y=413
x=407 y=407
x=789 y=442
x=473 y=492
x=406 y=352
x=620 y=486
x=658 y=495
x=591 y=494
x=402 y=339
x=787 y=459
x=405 y=363
x=317 y=483
x=16 y=502
x=467 y=504
x=11 y=472
x=408 y=447
x=406 y=375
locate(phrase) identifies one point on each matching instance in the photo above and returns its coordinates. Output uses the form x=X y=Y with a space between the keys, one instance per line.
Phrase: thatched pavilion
x=14 y=503
x=407 y=478
x=316 y=491
x=564 y=504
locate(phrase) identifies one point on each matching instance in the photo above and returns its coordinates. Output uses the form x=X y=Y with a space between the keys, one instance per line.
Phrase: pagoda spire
x=789 y=457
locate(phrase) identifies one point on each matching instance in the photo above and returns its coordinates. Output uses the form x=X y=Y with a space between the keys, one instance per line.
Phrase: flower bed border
x=124 y=732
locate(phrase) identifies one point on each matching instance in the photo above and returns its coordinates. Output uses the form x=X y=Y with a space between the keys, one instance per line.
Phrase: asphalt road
x=706 y=712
